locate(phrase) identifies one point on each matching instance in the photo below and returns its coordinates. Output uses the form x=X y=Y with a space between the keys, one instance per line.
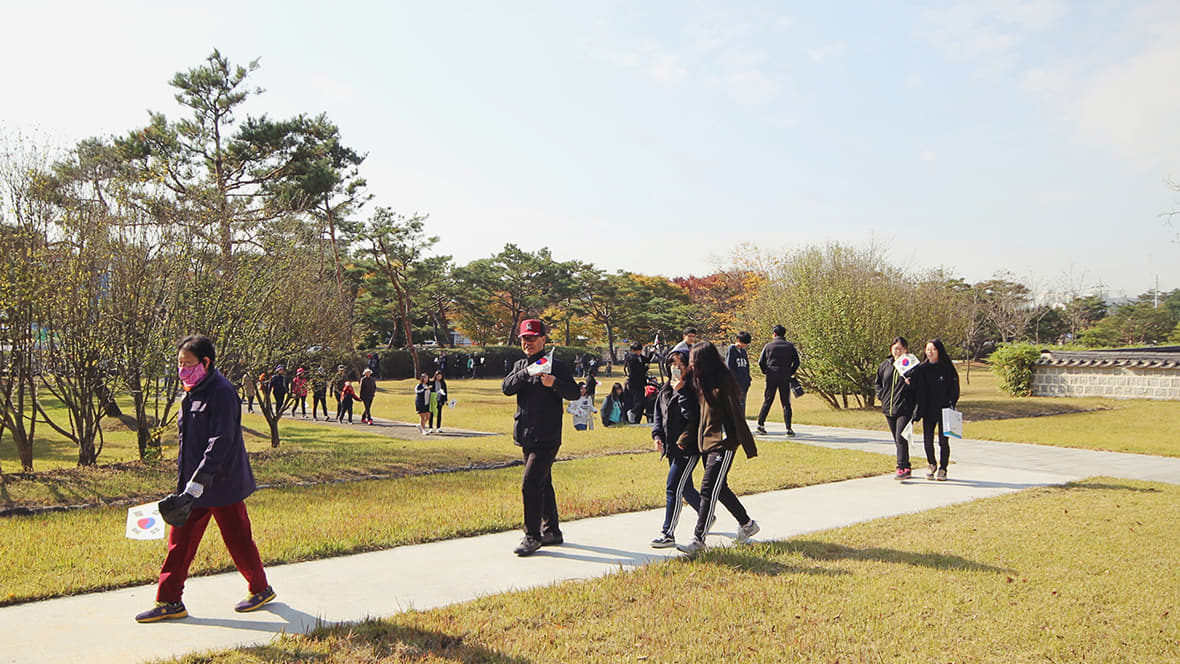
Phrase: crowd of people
x=697 y=417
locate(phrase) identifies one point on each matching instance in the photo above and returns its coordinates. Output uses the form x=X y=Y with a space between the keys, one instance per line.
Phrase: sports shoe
x=904 y=474
x=692 y=547
x=930 y=471
x=746 y=532
x=527 y=547
x=790 y=432
x=163 y=611
x=664 y=541
x=760 y=429
x=255 y=601
x=552 y=539
x=941 y=476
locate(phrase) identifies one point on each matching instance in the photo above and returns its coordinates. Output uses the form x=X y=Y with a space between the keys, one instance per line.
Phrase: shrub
x=1013 y=364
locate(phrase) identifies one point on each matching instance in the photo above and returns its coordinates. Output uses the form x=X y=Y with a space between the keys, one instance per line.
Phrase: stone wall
x=1118 y=382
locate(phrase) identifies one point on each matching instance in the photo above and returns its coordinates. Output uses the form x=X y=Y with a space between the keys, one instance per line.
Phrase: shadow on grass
x=383 y=640
x=759 y=558
x=1104 y=486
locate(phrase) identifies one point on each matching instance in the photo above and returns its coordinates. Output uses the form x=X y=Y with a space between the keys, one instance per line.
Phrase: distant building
x=1120 y=373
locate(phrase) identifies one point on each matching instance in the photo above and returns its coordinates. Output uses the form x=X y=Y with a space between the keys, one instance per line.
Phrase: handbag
x=796 y=388
x=952 y=423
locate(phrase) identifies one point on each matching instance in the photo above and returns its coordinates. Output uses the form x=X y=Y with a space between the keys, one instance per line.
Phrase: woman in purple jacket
x=214 y=478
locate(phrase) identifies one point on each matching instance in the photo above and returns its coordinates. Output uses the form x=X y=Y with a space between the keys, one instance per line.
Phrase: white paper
x=952 y=423
x=908 y=432
x=144 y=522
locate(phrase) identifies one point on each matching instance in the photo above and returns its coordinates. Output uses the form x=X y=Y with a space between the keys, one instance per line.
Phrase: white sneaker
x=692 y=547
x=421 y=430
x=746 y=532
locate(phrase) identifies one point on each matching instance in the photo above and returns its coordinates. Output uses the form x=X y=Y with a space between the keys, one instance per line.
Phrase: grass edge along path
x=65 y=553
x=1051 y=574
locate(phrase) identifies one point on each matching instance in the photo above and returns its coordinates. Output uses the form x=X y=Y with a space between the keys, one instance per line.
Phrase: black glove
x=175 y=509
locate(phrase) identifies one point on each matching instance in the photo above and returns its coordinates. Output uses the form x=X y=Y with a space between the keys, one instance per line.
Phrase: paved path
x=98 y=628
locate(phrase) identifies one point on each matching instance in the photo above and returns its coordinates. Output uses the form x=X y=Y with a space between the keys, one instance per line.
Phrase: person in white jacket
x=582 y=409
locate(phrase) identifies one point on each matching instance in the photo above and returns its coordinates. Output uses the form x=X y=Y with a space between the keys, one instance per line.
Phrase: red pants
x=234 y=524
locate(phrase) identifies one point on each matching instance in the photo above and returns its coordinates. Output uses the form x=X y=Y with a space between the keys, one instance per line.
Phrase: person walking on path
x=779 y=361
x=319 y=393
x=368 y=391
x=347 y=396
x=422 y=402
x=896 y=394
x=937 y=388
x=278 y=388
x=539 y=383
x=214 y=478
x=720 y=431
x=299 y=392
x=338 y=382
x=674 y=431
x=738 y=361
x=438 y=399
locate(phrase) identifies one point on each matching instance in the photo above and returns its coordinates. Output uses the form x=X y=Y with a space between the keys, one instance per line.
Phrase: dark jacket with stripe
x=212 y=451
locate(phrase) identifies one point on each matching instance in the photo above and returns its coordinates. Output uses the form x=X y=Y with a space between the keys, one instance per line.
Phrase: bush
x=1013 y=364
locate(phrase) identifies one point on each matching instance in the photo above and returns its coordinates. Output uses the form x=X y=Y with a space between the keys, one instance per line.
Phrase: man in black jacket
x=540 y=383
x=635 y=365
x=779 y=361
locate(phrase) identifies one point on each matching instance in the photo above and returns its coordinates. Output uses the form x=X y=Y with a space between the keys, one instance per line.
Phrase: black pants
x=714 y=488
x=367 y=416
x=897 y=425
x=316 y=400
x=301 y=401
x=280 y=398
x=344 y=408
x=783 y=387
x=929 y=421
x=536 y=488
x=638 y=403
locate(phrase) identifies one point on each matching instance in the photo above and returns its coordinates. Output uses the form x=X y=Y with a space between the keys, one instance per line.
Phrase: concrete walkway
x=99 y=628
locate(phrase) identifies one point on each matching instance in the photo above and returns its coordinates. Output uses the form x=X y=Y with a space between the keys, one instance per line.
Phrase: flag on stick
x=144 y=522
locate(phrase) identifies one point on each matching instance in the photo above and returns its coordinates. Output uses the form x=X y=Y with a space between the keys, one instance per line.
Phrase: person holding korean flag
x=540 y=383
x=896 y=394
x=213 y=480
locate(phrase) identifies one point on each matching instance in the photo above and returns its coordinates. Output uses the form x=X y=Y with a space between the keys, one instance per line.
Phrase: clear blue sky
x=1036 y=137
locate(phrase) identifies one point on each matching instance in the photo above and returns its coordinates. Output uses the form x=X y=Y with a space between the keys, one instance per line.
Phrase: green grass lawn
x=1077 y=573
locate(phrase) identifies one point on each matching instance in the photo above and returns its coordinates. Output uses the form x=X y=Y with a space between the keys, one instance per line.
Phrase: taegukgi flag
x=144 y=522
x=543 y=365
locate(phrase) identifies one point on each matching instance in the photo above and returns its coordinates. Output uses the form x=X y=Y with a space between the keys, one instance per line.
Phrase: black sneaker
x=527 y=547
x=760 y=429
x=162 y=611
x=664 y=541
x=552 y=539
x=255 y=601
x=790 y=431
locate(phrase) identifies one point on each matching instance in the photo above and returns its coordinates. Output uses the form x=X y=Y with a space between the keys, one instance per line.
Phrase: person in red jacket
x=213 y=478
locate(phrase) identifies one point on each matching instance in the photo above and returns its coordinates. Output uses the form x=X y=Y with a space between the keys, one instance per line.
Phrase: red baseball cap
x=532 y=327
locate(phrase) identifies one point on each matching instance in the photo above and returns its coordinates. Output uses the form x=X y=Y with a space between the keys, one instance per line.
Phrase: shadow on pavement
x=293 y=620
x=831 y=551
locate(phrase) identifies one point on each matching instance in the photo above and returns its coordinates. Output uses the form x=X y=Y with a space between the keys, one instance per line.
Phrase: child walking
x=422 y=402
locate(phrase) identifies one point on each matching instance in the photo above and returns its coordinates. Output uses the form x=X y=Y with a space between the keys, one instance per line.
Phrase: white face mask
x=676 y=374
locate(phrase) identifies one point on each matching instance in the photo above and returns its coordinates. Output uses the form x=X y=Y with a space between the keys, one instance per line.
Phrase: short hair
x=690 y=330
x=200 y=346
x=635 y=345
x=744 y=337
x=900 y=340
x=779 y=331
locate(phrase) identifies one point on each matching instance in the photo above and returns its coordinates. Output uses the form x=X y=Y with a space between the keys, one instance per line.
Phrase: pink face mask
x=190 y=376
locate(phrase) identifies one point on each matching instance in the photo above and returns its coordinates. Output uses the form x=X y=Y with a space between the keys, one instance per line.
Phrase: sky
x=1036 y=138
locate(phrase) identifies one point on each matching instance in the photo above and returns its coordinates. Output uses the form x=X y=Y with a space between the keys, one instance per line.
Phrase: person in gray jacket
x=779 y=361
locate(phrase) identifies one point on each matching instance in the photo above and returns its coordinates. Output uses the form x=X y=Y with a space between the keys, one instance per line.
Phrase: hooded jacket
x=720 y=429
x=677 y=414
x=212 y=451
